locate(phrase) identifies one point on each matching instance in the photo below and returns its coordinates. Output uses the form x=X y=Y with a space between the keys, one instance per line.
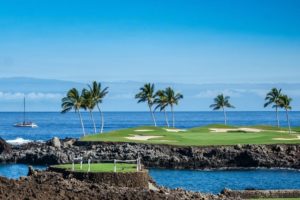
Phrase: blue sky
x=185 y=41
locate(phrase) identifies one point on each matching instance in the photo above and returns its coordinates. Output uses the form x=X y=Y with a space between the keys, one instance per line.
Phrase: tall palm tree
x=147 y=95
x=162 y=103
x=172 y=99
x=272 y=98
x=284 y=102
x=73 y=101
x=222 y=102
x=89 y=104
x=98 y=95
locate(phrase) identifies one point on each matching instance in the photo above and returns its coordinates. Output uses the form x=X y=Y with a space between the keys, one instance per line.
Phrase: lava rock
x=50 y=185
x=4 y=146
x=55 y=142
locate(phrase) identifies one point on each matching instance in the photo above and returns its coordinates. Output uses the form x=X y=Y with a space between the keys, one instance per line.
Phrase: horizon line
x=136 y=81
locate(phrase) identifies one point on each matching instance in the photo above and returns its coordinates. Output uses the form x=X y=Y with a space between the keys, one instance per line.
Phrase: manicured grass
x=100 y=167
x=200 y=136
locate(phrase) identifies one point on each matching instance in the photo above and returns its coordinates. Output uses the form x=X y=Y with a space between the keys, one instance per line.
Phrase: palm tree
x=284 y=102
x=73 y=101
x=162 y=103
x=89 y=104
x=172 y=99
x=222 y=102
x=146 y=94
x=272 y=98
x=98 y=95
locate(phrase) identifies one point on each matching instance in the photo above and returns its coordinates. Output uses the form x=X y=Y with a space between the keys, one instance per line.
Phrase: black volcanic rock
x=160 y=156
x=4 y=146
x=50 y=185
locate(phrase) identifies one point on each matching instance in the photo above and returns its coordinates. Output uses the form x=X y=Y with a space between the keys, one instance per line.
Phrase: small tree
x=272 y=98
x=221 y=102
x=89 y=104
x=147 y=95
x=98 y=95
x=284 y=102
x=162 y=103
x=73 y=101
x=172 y=99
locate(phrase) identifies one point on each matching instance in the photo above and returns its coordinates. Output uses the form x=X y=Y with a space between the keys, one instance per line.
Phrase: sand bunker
x=225 y=130
x=142 y=137
x=143 y=130
x=287 y=139
x=285 y=132
x=175 y=130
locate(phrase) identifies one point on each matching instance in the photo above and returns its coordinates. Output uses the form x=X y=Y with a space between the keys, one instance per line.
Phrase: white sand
x=143 y=130
x=142 y=137
x=285 y=132
x=175 y=130
x=225 y=130
x=253 y=130
x=287 y=139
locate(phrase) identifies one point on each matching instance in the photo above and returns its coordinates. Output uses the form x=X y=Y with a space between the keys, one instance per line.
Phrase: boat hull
x=26 y=125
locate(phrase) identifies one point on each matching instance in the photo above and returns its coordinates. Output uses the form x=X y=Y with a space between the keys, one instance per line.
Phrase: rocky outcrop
x=160 y=156
x=55 y=142
x=4 y=147
x=50 y=185
x=133 y=179
x=260 y=194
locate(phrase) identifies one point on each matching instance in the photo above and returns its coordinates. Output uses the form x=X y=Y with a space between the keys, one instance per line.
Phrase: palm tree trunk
x=173 y=116
x=288 y=120
x=277 y=117
x=166 y=117
x=225 y=117
x=93 y=120
x=82 y=125
x=153 y=117
x=102 y=118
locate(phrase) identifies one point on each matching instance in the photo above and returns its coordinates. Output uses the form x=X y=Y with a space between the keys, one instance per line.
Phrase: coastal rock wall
x=132 y=179
x=161 y=156
x=51 y=185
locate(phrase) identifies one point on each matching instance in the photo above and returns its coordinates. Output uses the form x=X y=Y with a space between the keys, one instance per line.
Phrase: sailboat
x=25 y=124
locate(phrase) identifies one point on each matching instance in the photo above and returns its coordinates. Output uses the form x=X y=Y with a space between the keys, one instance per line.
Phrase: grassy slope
x=201 y=136
x=100 y=167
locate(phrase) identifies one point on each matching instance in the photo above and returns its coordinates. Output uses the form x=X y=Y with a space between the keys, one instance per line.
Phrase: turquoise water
x=215 y=181
x=14 y=171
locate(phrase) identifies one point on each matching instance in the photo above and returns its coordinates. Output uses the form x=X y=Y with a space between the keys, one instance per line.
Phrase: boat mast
x=24 y=113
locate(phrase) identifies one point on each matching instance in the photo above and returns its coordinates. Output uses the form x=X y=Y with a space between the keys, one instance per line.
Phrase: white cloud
x=243 y=93
x=31 y=95
x=214 y=93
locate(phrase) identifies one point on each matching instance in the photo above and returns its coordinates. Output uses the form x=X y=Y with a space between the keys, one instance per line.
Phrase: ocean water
x=15 y=171
x=68 y=125
x=215 y=181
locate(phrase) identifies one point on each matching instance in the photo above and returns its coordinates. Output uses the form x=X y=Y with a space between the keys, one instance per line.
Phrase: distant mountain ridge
x=45 y=94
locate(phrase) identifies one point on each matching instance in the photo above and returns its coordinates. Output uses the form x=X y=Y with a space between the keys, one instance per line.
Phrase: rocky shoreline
x=58 y=151
x=51 y=185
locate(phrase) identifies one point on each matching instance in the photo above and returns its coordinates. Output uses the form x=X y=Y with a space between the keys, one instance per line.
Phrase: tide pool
x=15 y=171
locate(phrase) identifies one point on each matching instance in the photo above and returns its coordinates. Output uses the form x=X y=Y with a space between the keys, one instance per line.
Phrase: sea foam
x=18 y=141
